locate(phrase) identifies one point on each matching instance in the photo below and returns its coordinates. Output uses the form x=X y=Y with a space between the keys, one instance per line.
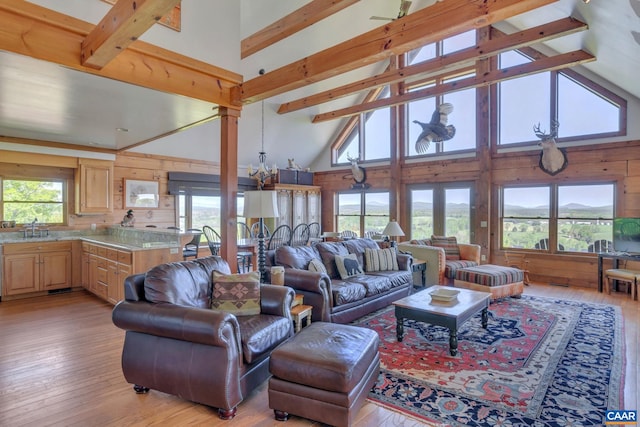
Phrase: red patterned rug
x=541 y=362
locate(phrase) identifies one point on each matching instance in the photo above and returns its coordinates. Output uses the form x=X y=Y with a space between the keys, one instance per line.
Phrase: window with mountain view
x=582 y=108
x=569 y=217
x=362 y=212
x=441 y=209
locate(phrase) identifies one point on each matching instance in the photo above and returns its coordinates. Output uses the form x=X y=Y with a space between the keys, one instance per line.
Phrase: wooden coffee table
x=452 y=314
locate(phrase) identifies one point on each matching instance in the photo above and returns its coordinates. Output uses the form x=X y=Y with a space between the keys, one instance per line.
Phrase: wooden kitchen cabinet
x=108 y=266
x=94 y=187
x=36 y=267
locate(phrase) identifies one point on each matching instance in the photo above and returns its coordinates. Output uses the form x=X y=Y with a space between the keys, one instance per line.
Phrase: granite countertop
x=143 y=241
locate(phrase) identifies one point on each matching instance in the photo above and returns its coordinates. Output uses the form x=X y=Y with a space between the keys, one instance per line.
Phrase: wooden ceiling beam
x=441 y=20
x=444 y=64
x=307 y=15
x=551 y=63
x=41 y=33
x=125 y=22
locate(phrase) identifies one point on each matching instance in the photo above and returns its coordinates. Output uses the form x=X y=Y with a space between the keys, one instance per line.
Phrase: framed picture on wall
x=140 y=194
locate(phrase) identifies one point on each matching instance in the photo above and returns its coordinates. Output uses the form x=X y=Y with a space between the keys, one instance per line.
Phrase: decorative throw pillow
x=317 y=266
x=348 y=266
x=450 y=246
x=236 y=293
x=380 y=259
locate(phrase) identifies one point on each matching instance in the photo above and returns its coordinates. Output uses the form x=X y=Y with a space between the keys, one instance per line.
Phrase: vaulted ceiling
x=93 y=86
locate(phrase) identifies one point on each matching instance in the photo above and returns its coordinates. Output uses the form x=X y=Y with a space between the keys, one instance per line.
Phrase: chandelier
x=263 y=172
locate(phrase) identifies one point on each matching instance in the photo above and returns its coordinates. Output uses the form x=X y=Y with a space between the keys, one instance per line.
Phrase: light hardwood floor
x=60 y=366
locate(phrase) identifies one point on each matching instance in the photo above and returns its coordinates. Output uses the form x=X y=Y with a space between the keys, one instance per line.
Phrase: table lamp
x=260 y=204
x=393 y=230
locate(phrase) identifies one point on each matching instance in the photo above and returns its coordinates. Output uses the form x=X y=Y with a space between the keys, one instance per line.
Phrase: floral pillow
x=236 y=293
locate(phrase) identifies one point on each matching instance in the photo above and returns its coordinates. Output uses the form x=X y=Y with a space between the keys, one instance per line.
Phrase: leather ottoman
x=324 y=373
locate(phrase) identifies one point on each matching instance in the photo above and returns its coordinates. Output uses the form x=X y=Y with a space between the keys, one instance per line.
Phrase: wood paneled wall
x=126 y=166
x=619 y=162
x=616 y=162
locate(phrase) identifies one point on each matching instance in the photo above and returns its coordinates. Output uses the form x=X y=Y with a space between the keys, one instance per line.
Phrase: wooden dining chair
x=244 y=258
x=300 y=235
x=213 y=239
x=314 y=232
x=348 y=234
x=281 y=236
x=255 y=230
x=193 y=246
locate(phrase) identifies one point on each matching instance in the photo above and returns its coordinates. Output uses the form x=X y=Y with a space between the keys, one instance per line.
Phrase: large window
x=525 y=216
x=26 y=200
x=362 y=212
x=557 y=217
x=369 y=134
x=198 y=211
x=442 y=210
x=582 y=108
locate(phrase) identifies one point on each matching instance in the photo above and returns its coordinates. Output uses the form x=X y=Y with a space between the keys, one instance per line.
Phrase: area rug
x=541 y=361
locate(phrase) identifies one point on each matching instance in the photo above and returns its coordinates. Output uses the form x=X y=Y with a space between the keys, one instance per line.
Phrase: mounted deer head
x=553 y=160
x=358 y=172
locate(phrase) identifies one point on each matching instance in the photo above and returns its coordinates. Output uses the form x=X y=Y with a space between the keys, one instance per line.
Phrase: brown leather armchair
x=176 y=344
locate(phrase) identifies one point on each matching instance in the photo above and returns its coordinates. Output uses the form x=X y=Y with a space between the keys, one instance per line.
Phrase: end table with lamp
x=393 y=230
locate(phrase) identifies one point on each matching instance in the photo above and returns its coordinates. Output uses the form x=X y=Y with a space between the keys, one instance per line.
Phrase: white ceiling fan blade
x=381 y=18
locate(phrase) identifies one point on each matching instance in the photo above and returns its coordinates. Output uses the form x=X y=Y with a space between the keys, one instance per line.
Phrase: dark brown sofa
x=176 y=344
x=334 y=299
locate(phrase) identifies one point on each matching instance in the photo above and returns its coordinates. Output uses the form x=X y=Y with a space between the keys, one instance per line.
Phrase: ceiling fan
x=404 y=9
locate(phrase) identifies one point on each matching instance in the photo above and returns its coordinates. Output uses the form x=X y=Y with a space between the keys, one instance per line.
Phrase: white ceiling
x=43 y=101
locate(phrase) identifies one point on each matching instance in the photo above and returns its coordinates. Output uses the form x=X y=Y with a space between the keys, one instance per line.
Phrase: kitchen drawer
x=101 y=251
x=102 y=263
x=101 y=290
x=101 y=274
x=125 y=257
x=112 y=254
x=35 y=247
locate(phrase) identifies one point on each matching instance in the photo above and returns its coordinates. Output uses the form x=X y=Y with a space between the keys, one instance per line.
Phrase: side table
x=299 y=313
x=421 y=267
x=297 y=300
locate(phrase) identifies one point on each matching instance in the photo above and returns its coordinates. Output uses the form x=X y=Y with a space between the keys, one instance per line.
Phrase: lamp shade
x=260 y=204
x=393 y=229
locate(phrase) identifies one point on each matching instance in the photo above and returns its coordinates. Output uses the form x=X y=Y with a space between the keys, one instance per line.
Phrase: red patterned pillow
x=450 y=246
x=236 y=293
